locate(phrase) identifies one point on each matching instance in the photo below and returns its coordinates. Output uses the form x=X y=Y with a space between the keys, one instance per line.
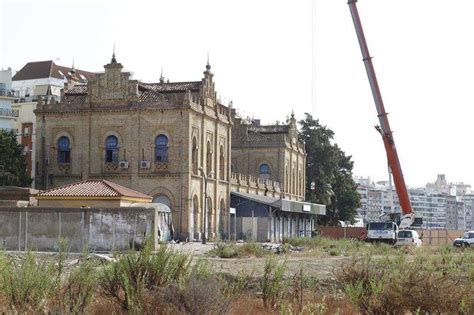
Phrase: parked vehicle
x=408 y=238
x=465 y=241
x=382 y=232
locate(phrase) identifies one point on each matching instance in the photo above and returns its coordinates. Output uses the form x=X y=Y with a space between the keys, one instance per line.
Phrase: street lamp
x=206 y=177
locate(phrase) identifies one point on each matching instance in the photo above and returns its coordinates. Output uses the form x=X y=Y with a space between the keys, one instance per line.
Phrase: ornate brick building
x=151 y=137
x=161 y=139
x=271 y=152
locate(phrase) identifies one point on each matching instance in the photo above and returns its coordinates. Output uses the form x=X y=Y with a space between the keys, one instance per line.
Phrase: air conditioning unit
x=123 y=164
x=144 y=164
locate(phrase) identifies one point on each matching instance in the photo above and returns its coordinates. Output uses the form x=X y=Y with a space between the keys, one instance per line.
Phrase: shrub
x=235 y=285
x=253 y=249
x=79 y=289
x=225 y=250
x=272 y=283
x=199 y=295
x=129 y=279
x=28 y=284
x=426 y=285
x=232 y=250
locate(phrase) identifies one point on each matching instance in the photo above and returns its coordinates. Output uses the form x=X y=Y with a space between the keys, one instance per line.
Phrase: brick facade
x=198 y=131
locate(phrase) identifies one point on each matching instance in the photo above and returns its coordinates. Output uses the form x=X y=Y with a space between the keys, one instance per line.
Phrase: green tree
x=12 y=161
x=330 y=170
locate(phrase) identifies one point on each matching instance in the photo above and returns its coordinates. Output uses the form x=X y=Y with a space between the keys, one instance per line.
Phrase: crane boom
x=384 y=129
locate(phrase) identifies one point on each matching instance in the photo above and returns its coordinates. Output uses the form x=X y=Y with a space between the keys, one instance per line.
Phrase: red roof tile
x=93 y=188
x=47 y=69
x=172 y=86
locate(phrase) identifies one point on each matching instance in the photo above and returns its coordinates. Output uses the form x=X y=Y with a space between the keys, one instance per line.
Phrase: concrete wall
x=94 y=229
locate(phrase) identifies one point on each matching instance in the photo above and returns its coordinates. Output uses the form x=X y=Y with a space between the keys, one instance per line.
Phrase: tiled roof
x=47 y=69
x=75 y=99
x=93 y=188
x=149 y=95
x=77 y=89
x=172 y=86
x=147 y=92
x=257 y=137
x=270 y=129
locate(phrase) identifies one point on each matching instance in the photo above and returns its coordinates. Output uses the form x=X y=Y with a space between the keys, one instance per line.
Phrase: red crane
x=408 y=216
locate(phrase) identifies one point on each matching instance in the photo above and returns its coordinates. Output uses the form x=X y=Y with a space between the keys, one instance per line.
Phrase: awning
x=284 y=204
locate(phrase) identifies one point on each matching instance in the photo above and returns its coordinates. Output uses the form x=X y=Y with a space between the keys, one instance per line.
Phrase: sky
x=270 y=57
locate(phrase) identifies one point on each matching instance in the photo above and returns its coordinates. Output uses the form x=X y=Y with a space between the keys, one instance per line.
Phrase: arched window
x=302 y=189
x=222 y=164
x=208 y=158
x=194 y=156
x=196 y=221
x=111 y=149
x=293 y=184
x=64 y=150
x=210 y=213
x=264 y=171
x=161 y=148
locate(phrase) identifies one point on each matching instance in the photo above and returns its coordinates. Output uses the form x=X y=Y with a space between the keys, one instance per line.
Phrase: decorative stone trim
x=64 y=167
x=161 y=166
x=110 y=167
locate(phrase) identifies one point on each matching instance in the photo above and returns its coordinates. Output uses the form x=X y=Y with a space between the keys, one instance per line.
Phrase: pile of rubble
x=282 y=248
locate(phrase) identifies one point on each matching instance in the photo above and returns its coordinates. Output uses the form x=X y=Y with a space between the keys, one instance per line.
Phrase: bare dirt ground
x=319 y=267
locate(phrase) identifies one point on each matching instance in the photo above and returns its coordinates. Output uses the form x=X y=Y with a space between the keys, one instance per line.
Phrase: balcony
x=6 y=112
x=9 y=93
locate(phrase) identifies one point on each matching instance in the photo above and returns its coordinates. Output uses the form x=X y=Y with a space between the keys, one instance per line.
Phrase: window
x=111 y=150
x=264 y=171
x=404 y=234
x=196 y=221
x=64 y=150
x=222 y=164
x=194 y=156
x=161 y=148
x=210 y=213
x=209 y=158
x=222 y=220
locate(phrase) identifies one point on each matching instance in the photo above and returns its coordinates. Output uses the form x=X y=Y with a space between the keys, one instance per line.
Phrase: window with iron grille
x=161 y=148
x=64 y=150
x=111 y=150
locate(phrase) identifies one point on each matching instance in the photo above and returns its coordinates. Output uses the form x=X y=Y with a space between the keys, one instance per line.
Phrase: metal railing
x=9 y=93
x=9 y=112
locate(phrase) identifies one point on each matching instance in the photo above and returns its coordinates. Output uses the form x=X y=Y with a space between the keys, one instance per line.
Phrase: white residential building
x=38 y=79
x=7 y=96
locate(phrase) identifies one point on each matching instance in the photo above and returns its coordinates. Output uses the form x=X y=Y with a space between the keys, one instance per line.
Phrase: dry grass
x=234 y=250
x=381 y=280
x=426 y=284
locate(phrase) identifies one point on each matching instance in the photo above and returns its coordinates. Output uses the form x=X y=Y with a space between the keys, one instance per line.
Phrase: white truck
x=385 y=232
